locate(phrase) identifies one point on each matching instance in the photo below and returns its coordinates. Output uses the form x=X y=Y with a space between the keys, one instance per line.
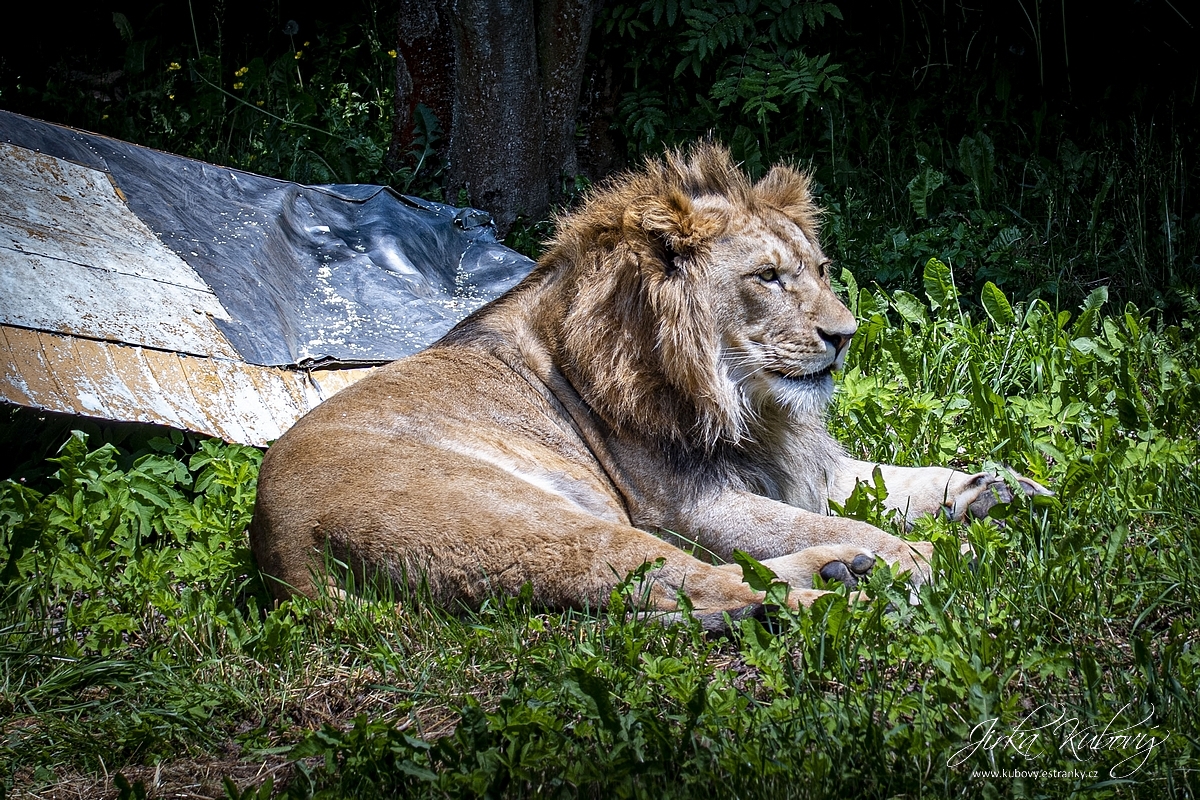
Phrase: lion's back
x=404 y=457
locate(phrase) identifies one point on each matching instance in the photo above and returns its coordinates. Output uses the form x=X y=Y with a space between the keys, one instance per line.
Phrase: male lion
x=665 y=369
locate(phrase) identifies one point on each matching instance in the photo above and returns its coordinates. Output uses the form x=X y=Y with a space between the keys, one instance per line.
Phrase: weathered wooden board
x=233 y=400
x=60 y=210
x=99 y=318
x=53 y=295
x=75 y=260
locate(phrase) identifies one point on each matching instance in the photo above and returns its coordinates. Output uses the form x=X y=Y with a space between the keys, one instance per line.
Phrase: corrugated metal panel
x=236 y=401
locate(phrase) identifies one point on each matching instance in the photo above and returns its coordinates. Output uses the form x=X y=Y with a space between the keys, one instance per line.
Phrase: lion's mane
x=638 y=335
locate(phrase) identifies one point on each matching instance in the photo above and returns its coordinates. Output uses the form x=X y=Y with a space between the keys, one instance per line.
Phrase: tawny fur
x=659 y=378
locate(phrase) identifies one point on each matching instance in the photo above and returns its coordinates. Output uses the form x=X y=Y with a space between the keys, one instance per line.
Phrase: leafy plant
x=311 y=106
x=739 y=69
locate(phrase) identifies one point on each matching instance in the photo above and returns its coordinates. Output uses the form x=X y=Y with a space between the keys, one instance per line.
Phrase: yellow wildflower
x=238 y=85
x=259 y=103
x=174 y=65
x=170 y=97
x=241 y=72
x=392 y=53
x=298 y=54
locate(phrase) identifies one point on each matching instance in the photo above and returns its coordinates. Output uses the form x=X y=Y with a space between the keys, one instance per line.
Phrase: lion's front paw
x=850 y=565
x=840 y=562
x=985 y=490
x=848 y=574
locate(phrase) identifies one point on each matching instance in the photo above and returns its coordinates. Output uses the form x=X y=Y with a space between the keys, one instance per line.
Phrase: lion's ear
x=787 y=190
x=675 y=220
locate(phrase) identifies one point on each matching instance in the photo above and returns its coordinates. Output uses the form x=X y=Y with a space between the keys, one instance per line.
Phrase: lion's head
x=697 y=302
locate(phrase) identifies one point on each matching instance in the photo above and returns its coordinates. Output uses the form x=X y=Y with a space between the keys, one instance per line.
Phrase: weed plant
x=137 y=638
x=312 y=106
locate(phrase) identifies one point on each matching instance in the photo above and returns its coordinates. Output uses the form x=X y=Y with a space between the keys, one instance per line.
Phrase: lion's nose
x=838 y=339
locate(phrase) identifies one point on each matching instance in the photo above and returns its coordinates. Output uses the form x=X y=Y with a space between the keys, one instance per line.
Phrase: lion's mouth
x=803 y=377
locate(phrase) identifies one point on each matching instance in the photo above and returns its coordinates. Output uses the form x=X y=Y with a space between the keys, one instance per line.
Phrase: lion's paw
x=841 y=562
x=849 y=574
x=985 y=490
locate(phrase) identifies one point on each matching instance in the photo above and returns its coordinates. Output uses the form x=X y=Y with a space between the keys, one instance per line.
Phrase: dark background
x=1091 y=109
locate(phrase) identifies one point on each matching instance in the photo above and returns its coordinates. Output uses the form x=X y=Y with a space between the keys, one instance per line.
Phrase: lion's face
x=783 y=330
x=698 y=303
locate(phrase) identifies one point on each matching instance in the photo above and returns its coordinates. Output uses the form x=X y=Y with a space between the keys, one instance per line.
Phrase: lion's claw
x=862 y=565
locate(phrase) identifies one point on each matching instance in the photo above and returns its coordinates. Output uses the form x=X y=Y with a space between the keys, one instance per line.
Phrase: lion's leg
x=711 y=589
x=715 y=589
x=916 y=491
x=767 y=529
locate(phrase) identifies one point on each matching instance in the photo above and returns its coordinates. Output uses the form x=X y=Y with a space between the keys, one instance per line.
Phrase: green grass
x=137 y=637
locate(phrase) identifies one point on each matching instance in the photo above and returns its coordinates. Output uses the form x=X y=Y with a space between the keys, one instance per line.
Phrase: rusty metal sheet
x=233 y=400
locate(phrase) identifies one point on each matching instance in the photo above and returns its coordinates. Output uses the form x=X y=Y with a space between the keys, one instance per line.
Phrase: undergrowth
x=138 y=641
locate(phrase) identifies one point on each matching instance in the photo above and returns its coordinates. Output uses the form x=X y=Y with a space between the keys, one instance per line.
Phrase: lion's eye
x=768 y=275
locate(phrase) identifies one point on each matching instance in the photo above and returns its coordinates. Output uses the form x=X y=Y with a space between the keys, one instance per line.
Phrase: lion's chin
x=802 y=395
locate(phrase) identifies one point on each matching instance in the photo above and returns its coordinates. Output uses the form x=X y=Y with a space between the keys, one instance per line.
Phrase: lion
x=653 y=393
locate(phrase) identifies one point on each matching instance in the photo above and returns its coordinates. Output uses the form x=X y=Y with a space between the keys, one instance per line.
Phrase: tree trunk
x=498 y=137
x=424 y=74
x=517 y=68
x=563 y=30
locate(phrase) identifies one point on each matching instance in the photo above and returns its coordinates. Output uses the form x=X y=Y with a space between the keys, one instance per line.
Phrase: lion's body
x=664 y=370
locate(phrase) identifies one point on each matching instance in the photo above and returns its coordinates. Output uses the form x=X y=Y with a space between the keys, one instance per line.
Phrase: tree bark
x=498 y=136
x=424 y=73
x=564 y=28
x=517 y=68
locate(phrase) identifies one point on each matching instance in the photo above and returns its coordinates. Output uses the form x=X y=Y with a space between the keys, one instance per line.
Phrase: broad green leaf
x=851 y=287
x=912 y=309
x=123 y=27
x=996 y=305
x=754 y=573
x=920 y=188
x=977 y=160
x=939 y=285
x=596 y=689
x=756 y=635
x=1097 y=298
x=1091 y=308
x=868 y=305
